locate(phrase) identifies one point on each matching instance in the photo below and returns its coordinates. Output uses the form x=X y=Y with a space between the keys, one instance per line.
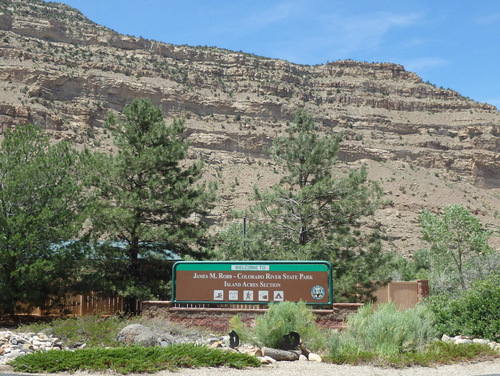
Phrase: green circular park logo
x=318 y=292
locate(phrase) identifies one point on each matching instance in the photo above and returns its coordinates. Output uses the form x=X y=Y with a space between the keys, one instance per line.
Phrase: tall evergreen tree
x=314 y=214
x=41 y=209
x=150 y=199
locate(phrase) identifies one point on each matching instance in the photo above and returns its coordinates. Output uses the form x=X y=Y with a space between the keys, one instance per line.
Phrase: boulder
x=137 y=334
x=315 y=358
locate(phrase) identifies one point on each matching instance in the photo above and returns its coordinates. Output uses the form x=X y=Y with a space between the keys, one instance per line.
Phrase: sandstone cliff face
x=427 y=146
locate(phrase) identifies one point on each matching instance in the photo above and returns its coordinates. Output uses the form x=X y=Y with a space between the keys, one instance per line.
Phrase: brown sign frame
x=252 y=282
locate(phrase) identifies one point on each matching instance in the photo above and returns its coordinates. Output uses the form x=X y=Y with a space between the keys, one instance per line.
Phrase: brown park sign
x=252 y=282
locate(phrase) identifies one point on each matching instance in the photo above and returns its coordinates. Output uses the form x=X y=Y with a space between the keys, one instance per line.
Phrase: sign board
x=252 y=282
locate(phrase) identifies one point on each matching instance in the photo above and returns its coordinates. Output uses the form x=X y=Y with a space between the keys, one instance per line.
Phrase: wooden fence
x=80 y=305
x=403 y=294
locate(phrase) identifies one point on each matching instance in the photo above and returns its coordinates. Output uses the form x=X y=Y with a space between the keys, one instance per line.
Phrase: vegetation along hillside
x=426 y=146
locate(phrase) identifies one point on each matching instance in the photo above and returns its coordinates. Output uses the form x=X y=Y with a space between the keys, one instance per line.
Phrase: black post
x=244 y=229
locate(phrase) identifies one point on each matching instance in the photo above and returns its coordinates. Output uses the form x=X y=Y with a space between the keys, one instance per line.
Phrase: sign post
x=252 y=282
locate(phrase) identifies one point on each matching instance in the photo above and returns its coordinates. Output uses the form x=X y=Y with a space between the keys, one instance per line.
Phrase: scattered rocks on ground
x=472 y=339
x=13 y=344
x=265 y=354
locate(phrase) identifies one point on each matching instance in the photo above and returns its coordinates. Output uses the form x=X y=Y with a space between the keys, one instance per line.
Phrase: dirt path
x=487 y=368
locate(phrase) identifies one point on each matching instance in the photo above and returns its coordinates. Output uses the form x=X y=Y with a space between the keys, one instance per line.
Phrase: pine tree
x=41 y=212
x=149 y=199
x=314 y=214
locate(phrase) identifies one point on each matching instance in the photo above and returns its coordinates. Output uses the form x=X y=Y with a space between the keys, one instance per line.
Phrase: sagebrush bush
x=244 y=332
x=475 y=312
x=385 y=331
x=285 y=317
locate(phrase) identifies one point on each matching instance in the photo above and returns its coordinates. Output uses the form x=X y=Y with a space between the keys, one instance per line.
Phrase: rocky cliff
x=427 y=146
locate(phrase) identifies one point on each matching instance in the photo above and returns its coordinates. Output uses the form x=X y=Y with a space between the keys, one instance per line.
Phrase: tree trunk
x=130 y=306
x=281 y=354
x=133 y=270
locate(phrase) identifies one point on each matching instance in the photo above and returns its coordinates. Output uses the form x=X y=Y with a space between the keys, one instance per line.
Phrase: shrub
x=285 y=317
x=385 y=331
x=132 y=359
x=244 y=333
x=475 y=312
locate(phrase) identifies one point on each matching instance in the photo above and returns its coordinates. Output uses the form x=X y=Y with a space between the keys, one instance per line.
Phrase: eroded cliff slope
x=427 y=146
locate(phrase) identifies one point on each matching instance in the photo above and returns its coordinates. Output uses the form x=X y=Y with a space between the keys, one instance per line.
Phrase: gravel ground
x=486 y=368
x=324 y=369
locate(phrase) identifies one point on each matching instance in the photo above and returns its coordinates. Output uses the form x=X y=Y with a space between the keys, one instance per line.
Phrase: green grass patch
x=131 y=359
x=443 y=353
x=436 y=353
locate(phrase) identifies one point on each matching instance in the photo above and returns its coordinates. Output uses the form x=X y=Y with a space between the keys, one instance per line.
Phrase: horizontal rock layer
x=427 y=146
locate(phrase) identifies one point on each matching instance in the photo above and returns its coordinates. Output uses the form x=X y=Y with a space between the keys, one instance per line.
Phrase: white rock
x=462 y=340
x=480 y=340
x=13 y=354
x=445 y=338
x=315 y=358
x=266 y=360
x=303 y=358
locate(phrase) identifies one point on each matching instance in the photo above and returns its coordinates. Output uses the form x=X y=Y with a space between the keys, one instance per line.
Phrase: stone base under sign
x=217 y=318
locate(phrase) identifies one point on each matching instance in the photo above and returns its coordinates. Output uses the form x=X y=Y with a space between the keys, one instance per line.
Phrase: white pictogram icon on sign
x=218 y=295
x=248 y=295
x=233 y=295
x=278 y=296
x=263 y=296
